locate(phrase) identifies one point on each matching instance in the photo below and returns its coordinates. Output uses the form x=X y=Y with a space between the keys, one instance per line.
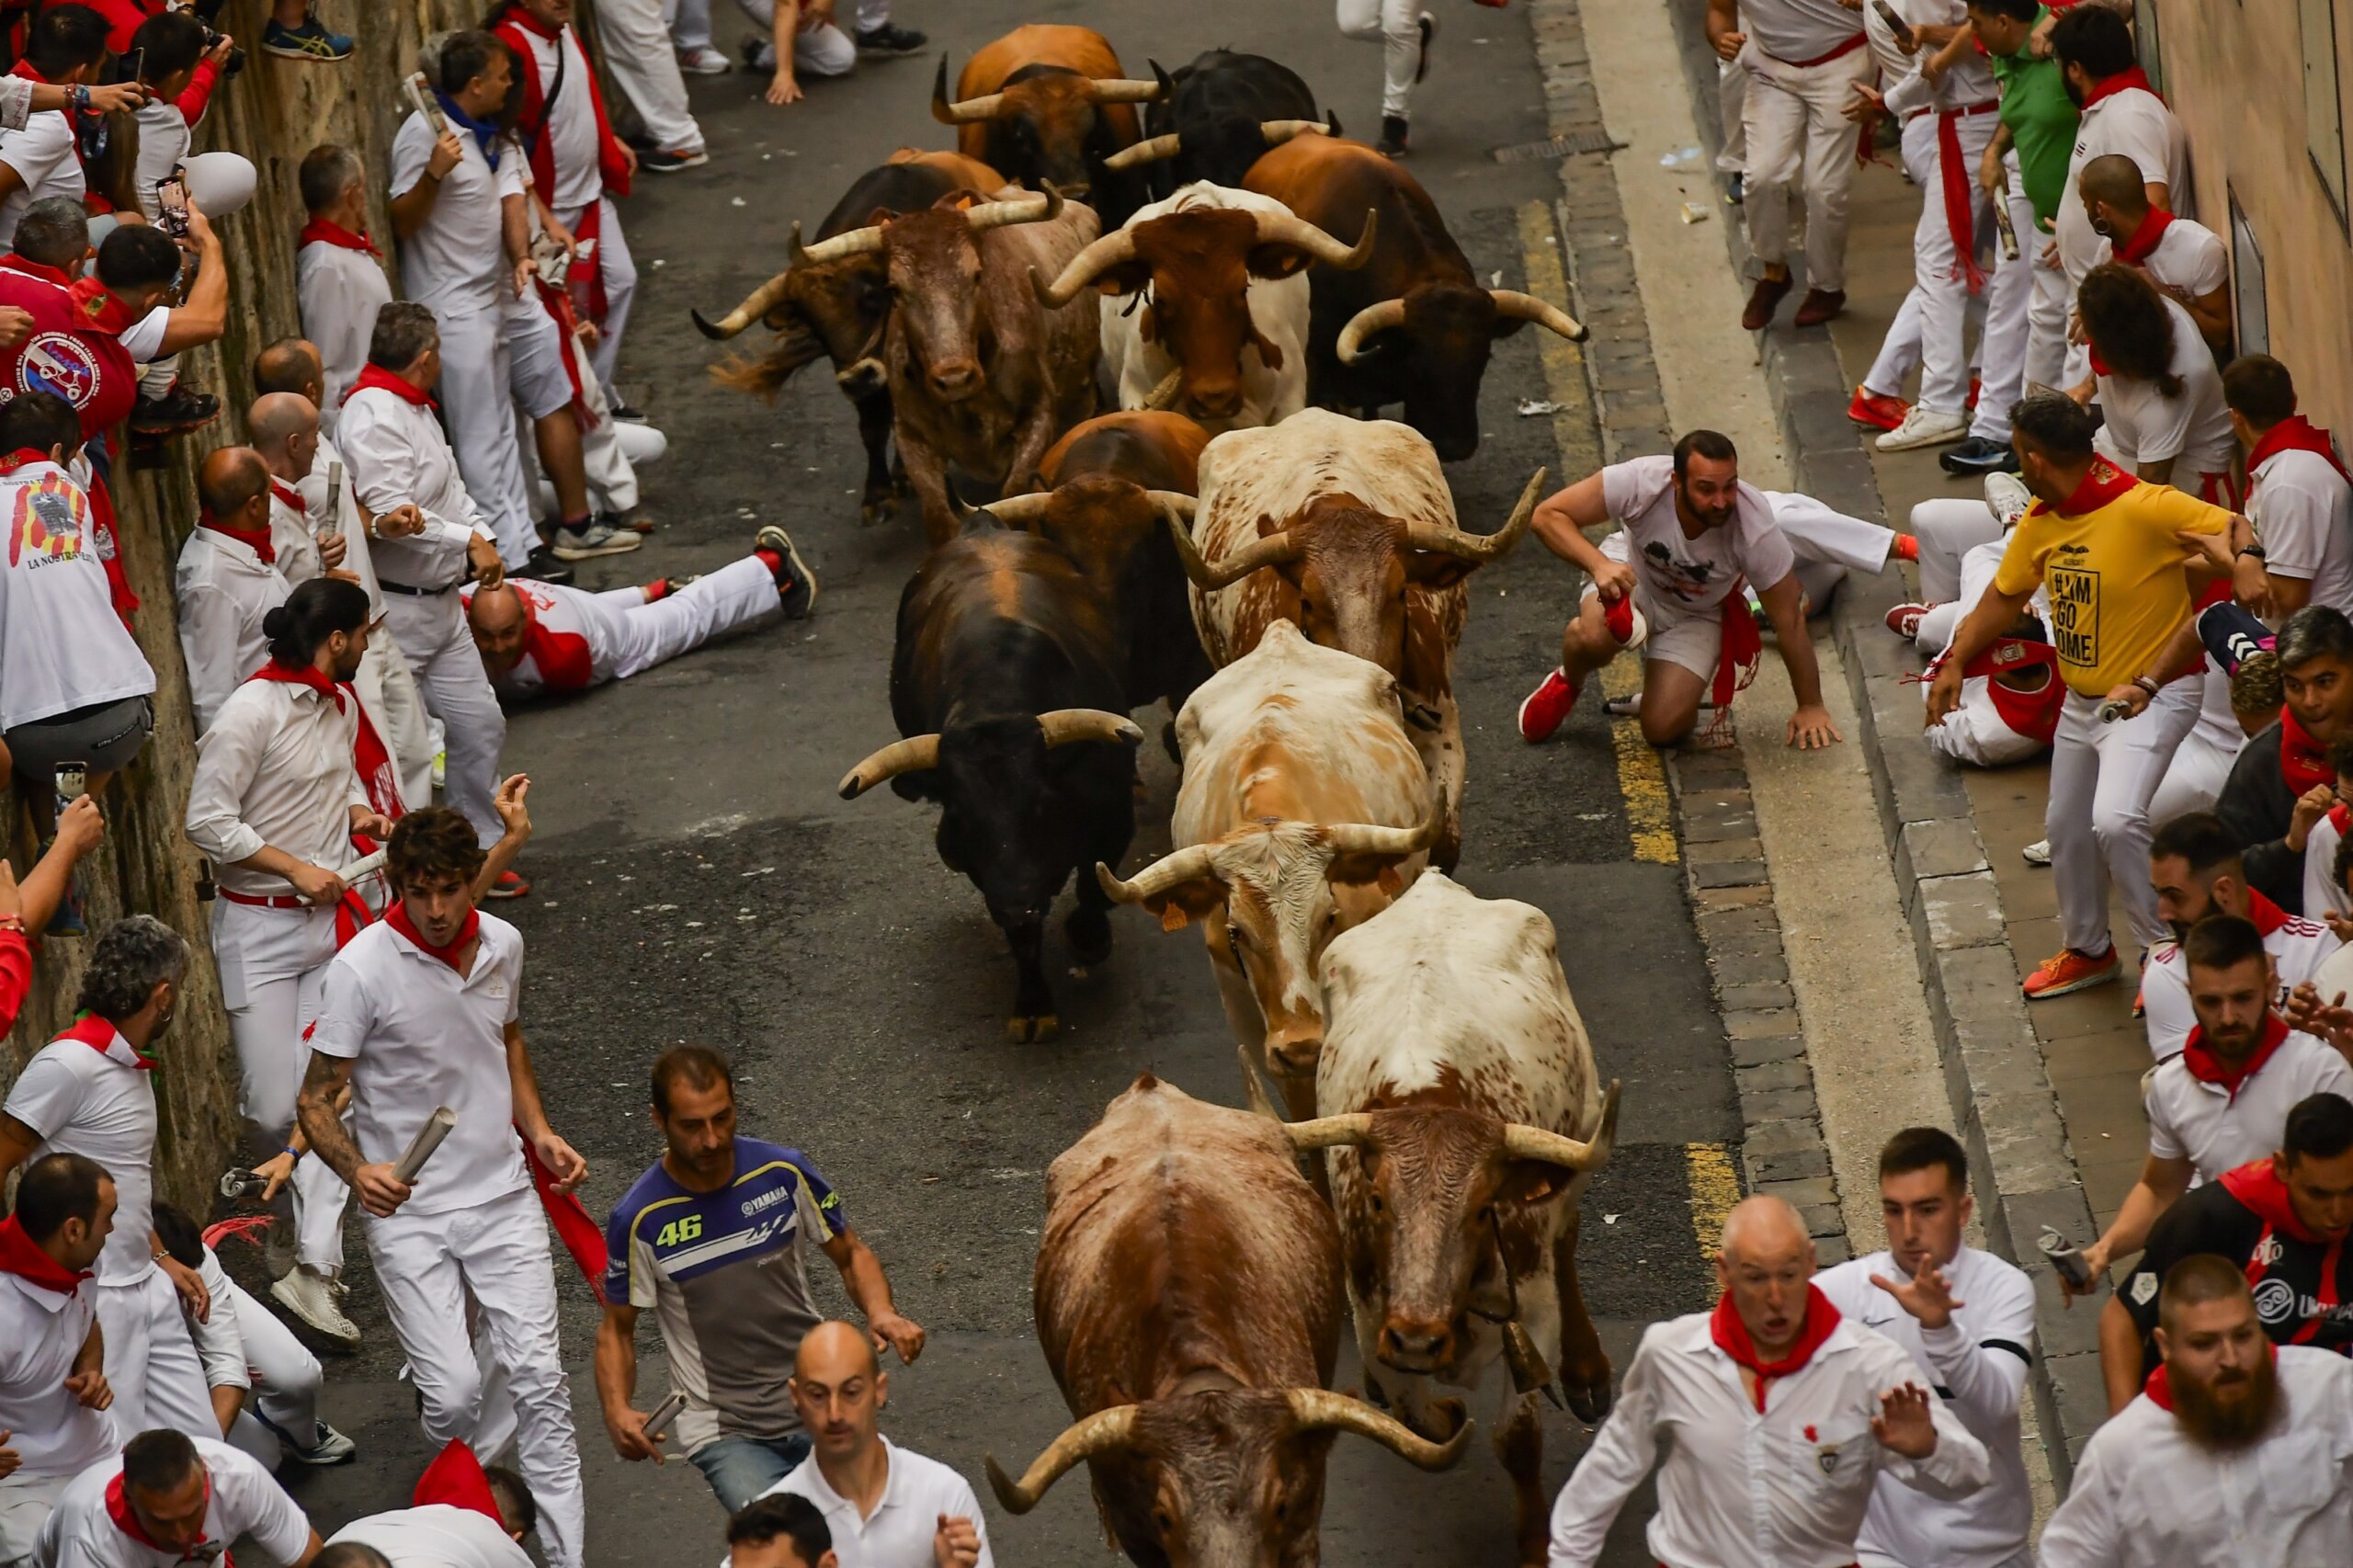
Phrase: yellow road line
x=1715 y=1188
x=1575 y=432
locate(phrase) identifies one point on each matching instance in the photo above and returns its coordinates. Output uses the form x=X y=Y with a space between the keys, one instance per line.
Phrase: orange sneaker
x=2070 y=970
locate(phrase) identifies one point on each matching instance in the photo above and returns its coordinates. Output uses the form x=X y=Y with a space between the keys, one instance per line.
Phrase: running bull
x=1049 y=104
x=1188 y=1300
x=1223 y=111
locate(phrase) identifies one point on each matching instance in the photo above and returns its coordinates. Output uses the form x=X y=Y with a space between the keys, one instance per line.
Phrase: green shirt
x=2042 y=120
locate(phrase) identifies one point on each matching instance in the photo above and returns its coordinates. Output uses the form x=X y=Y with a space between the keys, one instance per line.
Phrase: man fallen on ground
x=1777 y=1414
x=169 y=1498
x=1690 y=532
x=2234 y=1452
x=461 y=1515
x=2197 y=872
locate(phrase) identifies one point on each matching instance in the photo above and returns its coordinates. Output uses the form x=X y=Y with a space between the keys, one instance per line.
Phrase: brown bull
x=981 y=375
x=1050 y=103
x=1188 y=1299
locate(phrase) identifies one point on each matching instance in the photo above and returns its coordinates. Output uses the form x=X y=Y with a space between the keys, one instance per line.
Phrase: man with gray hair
x=338 y=271
x=90 y=1092
x=1777 y=1415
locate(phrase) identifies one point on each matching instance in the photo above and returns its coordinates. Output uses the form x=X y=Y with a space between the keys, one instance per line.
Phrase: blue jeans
x=740 y=1469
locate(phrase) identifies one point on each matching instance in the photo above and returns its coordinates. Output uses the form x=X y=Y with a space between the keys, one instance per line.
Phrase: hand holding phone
x=72 y=779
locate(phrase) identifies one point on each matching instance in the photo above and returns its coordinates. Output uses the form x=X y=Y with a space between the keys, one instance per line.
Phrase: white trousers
x=1948 y=529
x=283 y=1376
x=26 y=1504
x=1899 y=351
x=1797 y=138
x=690 y=22
x=1396 y=25
x=637 y=50
x=2202 y=763
x=610 y=449
x=446 y=667
x=477 y=372
x=150 y=1362
x=389 y=694
x=2102 y=779
x=273 y=965
x=498 y=1253
x=823 y=50
x=617 y=268
x=1944 y=296
x=1732 y=94
x=2009 y=310
x=739 y=595
x=1977 y=568
x=1828 y=544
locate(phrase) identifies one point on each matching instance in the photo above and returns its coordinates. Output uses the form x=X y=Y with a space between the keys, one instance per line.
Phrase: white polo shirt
x=1976 y=1364
x=898 y=1533
x=1796 y=30
x=42 y=154
x=2146 y=1495
x=2137 y=125
x=2217 y=1130
x=245 y=1501
x=456 y=262
x=2298 y=948
x=437 y=1536
x=2302 y=513
x=2143 y=426
x=340 y=291
x=422 y=1037
x=277 y=768
x=100 y=1104
x=62 y=645
x=42 y=1336
x=2188 y=256
x=224 y=591
x=395 y=455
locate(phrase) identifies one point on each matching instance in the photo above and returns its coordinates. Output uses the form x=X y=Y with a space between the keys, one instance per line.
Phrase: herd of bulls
x=1291 y=580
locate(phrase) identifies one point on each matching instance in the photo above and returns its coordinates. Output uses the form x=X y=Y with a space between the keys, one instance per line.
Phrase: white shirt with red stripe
x=2188 y=256
x=2302 y=513
x=1799 y=32
x=275 y=770
x=572 y=642
x=41 y=1335
x=88 y=1529
x=1967 y=84
x=397 y=456
x=2298 y=948
x=572 y=121
x=2219 y=1125
x=2148 y=1494
x=225 y=589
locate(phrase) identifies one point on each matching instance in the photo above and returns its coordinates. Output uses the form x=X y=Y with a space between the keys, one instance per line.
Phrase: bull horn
x=1282 y=228
x=850 y=242
x=1278 y=131
x=1274 y=550
x=1167 y=393
x=757 y=303
x=1063 y=725
x=1101 y=1433
x=911 y=755
x=1151 y=150
x=1364 y=324
x=1476 y=549
x=1522 y=1142
x=1370 y=838
x=1527 y=307
x=1114 y=249
x=1178 y=508
x=1173 y=869
x=1043 y=208
x=1020 y=512
x=1353 y=1130
x=1254 y=1088
x=972 y=111
x=1131 y=90
x=1315 y=1408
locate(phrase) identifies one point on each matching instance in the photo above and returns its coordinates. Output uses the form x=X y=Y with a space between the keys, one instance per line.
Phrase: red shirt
x=89 y=368
x=124 y=17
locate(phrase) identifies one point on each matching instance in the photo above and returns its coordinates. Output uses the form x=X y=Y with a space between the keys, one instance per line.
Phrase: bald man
x=229 y=578
x=1777 y=1413
x=933 y=1520
x=2180 y=256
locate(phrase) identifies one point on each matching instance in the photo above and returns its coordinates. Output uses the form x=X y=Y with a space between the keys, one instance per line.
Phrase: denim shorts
x=740 y=1469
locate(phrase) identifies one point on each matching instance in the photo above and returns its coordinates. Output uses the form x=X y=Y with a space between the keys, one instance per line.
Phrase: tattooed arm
x=324 y=1086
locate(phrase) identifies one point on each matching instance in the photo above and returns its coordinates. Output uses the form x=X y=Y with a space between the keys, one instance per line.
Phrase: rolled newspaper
x=420 y=1148
x=330 y=518
x=359 y=870
x=2002 y=217
x=664 y=1414
x=420 y=97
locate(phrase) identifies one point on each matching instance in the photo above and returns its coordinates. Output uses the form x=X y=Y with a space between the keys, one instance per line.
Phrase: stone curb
x=2003 y=1104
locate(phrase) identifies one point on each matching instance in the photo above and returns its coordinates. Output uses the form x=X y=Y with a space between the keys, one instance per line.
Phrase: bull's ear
x=1127 y=277
x=1378 y=869
x=1533 y=1181
x=1506 y=325
x=1185 y=903
x=1278 y=261
x=1428 y=569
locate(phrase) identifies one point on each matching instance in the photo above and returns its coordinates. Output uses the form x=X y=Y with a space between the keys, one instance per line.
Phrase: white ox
x=1457 y=1099
x=1303 y=811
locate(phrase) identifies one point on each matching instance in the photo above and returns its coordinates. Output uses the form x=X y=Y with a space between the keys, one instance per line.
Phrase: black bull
x=1218 y=112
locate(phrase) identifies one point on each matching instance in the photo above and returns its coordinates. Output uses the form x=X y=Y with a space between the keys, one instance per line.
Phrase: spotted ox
x=1050 y=103
x=836 y=309
x=1415 y=326
x=1222 y=112
x=1459 y=1104
x=1188 y=1300
x=1346 y=528
x=1220 y=331
x=1304 y=809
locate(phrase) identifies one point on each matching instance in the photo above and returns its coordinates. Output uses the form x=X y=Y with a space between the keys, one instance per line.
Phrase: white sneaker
x=703 y=61
x=2009 y=498
x=2038 y=853
x=310 y=1296
x=1925 y=427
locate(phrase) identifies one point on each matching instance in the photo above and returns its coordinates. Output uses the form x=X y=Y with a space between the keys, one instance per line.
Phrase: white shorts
x=26 y=1503
x=1686 y=639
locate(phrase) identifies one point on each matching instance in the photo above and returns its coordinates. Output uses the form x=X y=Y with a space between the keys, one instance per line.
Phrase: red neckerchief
x=47 y=274
x=2258 y=1186
x=612 y=166
x=2265 y=915
x=565 y=662
x=2206 y=1068
x=318 y=230
x=455 y=1480
x=1739 y=650
x=118 y=1510
x=2340 y=816
x=22 y=456
x=22 y=1256
x=2159 y=1388
x=307 y=674
x=2298 y=434
x=2124 y=81
x=1732 y=1337
x=2103 y=483
x=289 y=494
x=99 y=310
x=29 y=72
x=2304 y=761
x=1961 y=202
x=399 y=387
x=99 y=1036
x=397 y=918
x=255 y=539
x=2144 y=240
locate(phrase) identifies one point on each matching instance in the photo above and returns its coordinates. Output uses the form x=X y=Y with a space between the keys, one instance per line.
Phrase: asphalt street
x=698 y=880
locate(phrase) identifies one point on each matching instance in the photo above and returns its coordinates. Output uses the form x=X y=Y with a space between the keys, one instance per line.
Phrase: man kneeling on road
x=1689 y=533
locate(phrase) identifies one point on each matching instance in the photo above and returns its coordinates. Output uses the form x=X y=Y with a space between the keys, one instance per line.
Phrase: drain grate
x=1558 y=147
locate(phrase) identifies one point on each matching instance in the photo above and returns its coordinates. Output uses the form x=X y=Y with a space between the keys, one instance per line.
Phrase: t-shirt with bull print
x=1679 y=572
x=725 y=1275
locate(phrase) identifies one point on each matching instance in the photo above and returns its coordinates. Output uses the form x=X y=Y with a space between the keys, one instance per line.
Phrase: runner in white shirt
x=2194 y=864
x=887 y=1506
x=284 y=429
x=338 y=271
x=1778 y=1416
x=2121 y=114
x=170 y=1500
x=460 y=1515
x=91 y=1092
x=1690 y=532
x=2184 y=258
x=2300 y=498
x=1967 y=1320
x=53 y=1390
x=422 y=1010
x=2159 y=393
x=228 y=579
x=37 y=159
x=2235 y=1453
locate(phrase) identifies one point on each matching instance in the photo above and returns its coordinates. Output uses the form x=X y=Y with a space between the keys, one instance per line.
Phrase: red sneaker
x=1619 y=619
x=1904 y=619
x=1547 y=707
x=2070 y=970
x=511 y=884
x=1879 y=413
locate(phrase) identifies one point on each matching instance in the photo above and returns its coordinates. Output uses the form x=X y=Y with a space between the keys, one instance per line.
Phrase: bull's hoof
x=876 y=508
x=1088 y=931
x=1588 y=1401
x=1028 y=1030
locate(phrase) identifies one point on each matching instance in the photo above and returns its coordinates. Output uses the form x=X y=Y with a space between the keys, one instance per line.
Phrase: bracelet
x=2148 y=684
x=2253 y=552
x=290 y=1152
x=79 y=97
x=13 y=923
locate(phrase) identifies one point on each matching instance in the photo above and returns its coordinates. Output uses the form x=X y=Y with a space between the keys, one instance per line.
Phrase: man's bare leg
x=1588 y=644
x=558 y=438
x=1670 y=701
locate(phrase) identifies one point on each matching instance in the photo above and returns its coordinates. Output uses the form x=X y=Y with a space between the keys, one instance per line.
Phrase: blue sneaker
x=309 y=42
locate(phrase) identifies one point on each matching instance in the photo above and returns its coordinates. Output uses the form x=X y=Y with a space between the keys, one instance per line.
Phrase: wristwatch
x=2253 y=552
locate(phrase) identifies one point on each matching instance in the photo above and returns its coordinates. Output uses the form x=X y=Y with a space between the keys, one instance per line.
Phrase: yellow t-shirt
x=2117 y=586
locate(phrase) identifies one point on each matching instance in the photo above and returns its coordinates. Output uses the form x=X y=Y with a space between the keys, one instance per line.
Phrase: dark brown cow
x=1413 y=325
x=1188 y=1299
x=1046 y=103
x=836 y=309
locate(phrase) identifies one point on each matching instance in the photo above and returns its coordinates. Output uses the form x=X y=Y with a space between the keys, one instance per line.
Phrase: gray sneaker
x=328 y=1447
x=311 y=1297
x=2009 y=498
x=796 y=586
x=596 y=538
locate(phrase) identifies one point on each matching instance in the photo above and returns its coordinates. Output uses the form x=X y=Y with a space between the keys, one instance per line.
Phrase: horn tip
x=852 y=786
x=1008 y=1491
x=707 y=327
